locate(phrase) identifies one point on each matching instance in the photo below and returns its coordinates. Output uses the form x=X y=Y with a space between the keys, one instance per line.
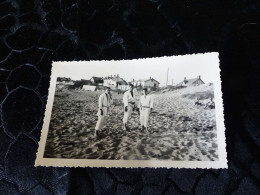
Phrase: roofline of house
x=98 y=78
x=152 y=79
x=195 y=79
x=144 y=80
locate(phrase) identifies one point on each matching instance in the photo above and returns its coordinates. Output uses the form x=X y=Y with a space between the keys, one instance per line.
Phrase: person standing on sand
x=104 y=102
x=146 y=107
x=129 y=104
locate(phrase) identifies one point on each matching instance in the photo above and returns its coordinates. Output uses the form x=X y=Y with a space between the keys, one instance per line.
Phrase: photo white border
x=58 y=70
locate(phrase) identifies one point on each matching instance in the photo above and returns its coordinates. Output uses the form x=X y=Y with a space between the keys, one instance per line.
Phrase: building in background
x=123 y=87
x=115 y=82
x=79 y=84
x=64 y=83
x=149 y=83
x=89 y=87
x=191 y=82
x=97 y=80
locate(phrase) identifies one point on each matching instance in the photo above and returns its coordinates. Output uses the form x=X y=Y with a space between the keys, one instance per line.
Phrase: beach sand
x=182 y=131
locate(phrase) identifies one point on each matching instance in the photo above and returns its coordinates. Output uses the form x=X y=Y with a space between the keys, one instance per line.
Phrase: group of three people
x=145 y=107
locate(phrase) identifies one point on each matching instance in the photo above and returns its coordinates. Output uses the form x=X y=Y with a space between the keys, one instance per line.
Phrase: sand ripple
x=181 y=131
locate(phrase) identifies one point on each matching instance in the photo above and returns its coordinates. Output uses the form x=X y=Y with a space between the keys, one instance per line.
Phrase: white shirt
x=146 y=101
x=128 y=98
x=104 y=100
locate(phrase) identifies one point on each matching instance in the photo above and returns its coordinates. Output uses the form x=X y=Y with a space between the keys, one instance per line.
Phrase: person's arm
x=125 y=101
x=111 y=99
x=140 y=103
x=100 y=104
x=151 y=103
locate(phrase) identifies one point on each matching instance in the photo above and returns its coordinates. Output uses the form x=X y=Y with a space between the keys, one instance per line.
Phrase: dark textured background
x=34 y=33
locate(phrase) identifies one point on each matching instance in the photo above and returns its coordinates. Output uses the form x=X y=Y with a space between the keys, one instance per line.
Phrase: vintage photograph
x=152 y=112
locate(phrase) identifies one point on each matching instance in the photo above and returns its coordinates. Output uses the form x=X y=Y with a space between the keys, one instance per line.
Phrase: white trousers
x=144 y=116
x=101 y=122
x=102 y=118
x=127 y=115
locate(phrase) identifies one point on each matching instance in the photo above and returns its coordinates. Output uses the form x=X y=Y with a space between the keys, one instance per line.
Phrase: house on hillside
x=114 y=81
x=89 y=88
x=111 y=80
x=191 y=82
x=151 y=82
x=64 y=81
x=86 y=82
x=123 y=87
x=97 y=80
x=79 y=84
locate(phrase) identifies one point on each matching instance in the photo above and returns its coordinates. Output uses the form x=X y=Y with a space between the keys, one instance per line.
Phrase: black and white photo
x=158 y=112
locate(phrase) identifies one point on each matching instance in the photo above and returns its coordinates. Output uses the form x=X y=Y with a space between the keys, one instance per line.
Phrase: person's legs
x=127 y=116
x=130 y=111
x=100 y=123
x=142 y=119
x=104 y=120
x=146 y=118
x=125 y=119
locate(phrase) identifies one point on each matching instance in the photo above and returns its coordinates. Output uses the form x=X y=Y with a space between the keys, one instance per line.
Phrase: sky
x=189 y=66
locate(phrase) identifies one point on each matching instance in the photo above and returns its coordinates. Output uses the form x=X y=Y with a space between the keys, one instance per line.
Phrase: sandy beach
x=182 y=131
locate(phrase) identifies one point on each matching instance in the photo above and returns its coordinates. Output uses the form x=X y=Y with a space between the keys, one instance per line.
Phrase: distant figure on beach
x=197 y=102
x=210 y=104
x=104 y=102
x=146 y=107
x=129 y=104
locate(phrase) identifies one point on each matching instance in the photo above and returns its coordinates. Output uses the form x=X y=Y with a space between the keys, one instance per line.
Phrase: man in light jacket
x=145 y=106
x=129 y=104
x=104 y=103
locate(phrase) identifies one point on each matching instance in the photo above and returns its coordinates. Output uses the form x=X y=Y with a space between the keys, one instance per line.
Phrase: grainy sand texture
x=182 y=131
